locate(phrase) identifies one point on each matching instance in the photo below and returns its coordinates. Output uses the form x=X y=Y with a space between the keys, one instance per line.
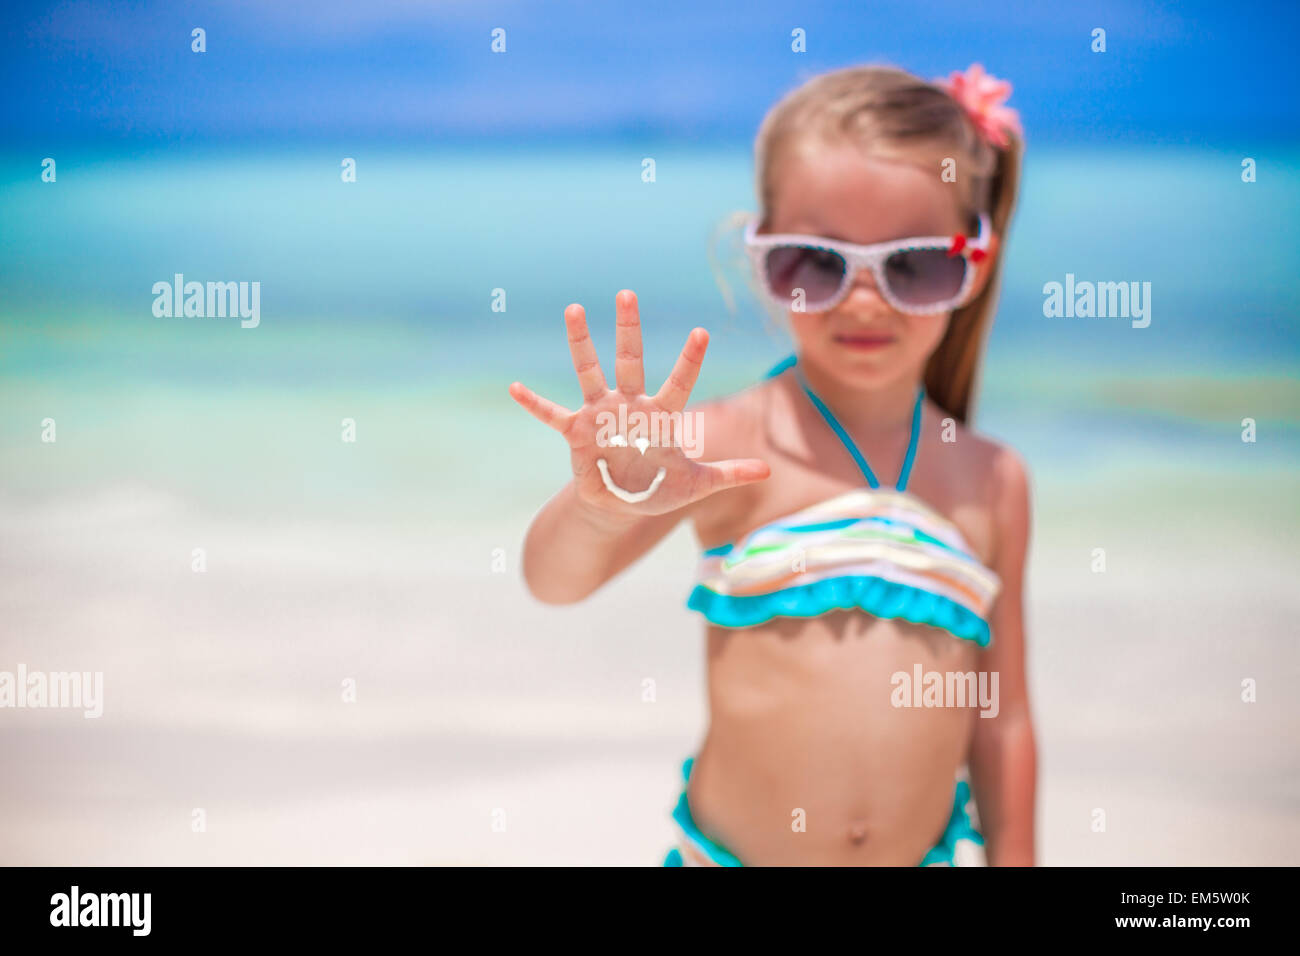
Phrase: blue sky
x=399 y=70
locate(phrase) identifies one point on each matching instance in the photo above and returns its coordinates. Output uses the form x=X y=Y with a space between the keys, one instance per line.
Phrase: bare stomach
x=807 y=761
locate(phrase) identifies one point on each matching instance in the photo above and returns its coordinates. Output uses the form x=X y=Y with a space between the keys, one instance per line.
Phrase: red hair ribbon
x=984 y=99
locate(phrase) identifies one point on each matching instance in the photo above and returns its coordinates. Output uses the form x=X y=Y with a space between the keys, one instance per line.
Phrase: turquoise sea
x=388 y=283
x=394 y=561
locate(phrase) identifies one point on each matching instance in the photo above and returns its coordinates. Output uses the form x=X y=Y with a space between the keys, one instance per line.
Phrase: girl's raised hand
x=593 y=430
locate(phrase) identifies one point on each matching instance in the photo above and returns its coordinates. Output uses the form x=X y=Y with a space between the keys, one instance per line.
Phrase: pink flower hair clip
x=984 y=99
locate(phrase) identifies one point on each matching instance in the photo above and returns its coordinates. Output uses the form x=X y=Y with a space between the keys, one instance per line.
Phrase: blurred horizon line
x=15 y=147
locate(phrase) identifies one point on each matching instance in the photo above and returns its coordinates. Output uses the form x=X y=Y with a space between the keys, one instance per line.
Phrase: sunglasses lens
x=818 y=272
x=921 y=277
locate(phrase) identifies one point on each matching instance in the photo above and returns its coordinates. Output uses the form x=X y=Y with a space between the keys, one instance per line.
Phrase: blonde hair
x=896 y=115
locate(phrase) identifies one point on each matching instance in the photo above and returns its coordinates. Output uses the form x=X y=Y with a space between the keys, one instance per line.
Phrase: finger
x=542 y=409
x=676 y=390
x=715 y=476
x=583 y=350
x=629 y=372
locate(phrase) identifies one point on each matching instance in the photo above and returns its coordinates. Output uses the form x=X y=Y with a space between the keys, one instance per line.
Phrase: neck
x=880 y=408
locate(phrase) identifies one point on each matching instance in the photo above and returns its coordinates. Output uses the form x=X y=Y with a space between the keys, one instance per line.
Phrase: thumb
x=715 y=476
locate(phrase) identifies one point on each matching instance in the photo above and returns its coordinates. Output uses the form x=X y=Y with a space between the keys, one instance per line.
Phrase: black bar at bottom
x=333 y=905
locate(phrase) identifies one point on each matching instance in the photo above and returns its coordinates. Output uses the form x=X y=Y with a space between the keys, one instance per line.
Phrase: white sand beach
x=489 y=729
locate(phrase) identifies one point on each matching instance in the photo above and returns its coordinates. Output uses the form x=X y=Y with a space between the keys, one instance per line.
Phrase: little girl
x=863 y=550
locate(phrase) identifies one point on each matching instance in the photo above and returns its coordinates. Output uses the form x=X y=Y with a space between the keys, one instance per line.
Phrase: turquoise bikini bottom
x=955 y=848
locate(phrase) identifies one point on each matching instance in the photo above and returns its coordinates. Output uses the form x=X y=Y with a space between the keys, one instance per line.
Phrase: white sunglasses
x=920 y=276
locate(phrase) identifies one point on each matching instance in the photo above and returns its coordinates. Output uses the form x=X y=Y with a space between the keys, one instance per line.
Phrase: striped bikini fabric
x=876 y=548
x=880 y=550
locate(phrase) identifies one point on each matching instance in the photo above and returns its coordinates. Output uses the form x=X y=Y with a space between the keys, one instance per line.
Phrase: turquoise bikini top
x=880 y=550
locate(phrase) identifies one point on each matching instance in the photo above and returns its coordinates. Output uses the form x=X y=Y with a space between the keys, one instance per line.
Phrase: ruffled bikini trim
x=960 y=827
x=876 y=596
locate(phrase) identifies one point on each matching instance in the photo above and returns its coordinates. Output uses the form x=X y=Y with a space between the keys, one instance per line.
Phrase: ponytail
x=952 y=372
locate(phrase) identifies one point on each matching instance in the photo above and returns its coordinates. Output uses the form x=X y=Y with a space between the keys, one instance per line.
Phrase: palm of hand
x=595 y=432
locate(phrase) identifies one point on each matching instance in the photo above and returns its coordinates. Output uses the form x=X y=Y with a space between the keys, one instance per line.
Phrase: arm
x=1003 y=760
x=585 y=535
x=571 y=548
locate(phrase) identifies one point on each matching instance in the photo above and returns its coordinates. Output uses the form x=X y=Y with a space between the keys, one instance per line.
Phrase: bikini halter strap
x=904 y=473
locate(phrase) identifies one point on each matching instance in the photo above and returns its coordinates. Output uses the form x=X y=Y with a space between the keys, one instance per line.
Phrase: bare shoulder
x=1010 y=476
x=995 y=476
x=1005 y=481
x=998 y=467
x=728 y=427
